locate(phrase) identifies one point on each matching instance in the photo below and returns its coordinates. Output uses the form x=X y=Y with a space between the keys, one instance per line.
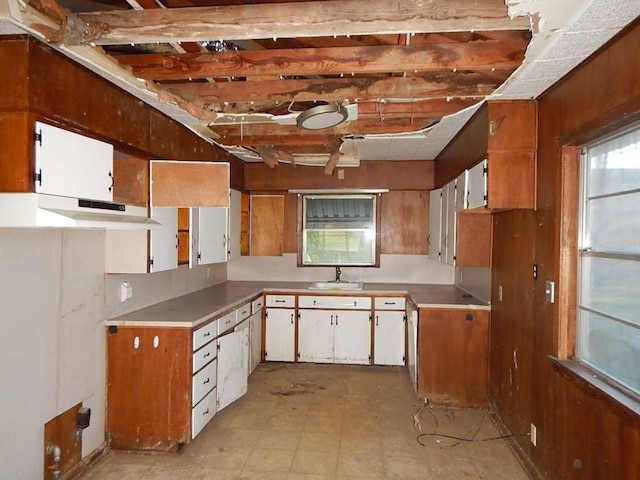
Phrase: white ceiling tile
x=606 y=14
x=577 y=44
x=8 y=28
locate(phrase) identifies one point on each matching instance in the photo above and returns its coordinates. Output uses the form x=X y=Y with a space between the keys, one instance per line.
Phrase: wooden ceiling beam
x=334 y=89
x=355 y=127
x=477 y=55
x=315 y=19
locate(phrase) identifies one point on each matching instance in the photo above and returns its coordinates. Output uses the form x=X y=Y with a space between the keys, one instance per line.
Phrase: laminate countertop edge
x=196 y=308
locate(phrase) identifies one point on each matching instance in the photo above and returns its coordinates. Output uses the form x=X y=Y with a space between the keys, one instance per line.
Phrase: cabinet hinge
x=199 y=256
x=266 y=314
x=370 y=317
x=535 y=271
x=485 y=169
x=454 y=258
x=37 y=137
x=37 y=177
x=151 y=261
x=298 y=355
x=266 y=354
x=369 y=358
x=298 y=315
x=218 y=347
x=404 y=359
x=404 y=318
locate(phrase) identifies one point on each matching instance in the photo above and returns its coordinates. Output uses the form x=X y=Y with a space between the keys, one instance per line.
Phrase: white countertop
x=196 y=308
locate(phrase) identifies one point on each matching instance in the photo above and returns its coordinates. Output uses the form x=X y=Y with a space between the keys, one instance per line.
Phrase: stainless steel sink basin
x=349 y=286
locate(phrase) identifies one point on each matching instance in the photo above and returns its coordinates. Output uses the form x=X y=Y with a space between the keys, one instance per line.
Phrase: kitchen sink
x=336 y=286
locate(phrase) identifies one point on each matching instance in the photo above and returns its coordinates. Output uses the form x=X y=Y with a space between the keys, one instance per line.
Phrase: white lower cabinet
x=334 y=336
x=389 y=331
x=255 y=333
x=202 y=413
x=353 y=337
x=279 y=335
x=233 y=357
x=389 y=336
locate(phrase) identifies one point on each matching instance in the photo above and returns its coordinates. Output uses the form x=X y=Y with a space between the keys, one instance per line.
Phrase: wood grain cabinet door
x=453 y=353
x=267 y=225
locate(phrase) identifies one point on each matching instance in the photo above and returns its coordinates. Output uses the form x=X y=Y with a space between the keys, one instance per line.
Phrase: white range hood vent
x=41 y=210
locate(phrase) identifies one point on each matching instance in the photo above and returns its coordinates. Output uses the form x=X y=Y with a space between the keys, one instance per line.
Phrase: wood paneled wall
x=404 y=219
x=53 y=88
x=581 y=434
x=465 y=150
x=394 y=175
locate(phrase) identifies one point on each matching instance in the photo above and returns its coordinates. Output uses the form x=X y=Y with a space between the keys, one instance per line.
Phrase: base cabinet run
x=453 y=355
x=149 y=387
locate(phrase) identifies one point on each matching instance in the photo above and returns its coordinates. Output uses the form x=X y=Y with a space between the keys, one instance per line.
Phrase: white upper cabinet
x=449 y=212
x=435 y=223
x=462 y=187
x=164 y=241
x=235 y=215
x=72 y=165
x=477 y=185
x=209 y=235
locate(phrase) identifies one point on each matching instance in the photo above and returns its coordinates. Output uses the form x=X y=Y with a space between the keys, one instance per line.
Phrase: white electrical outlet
x=534 y=435
x=126 y=291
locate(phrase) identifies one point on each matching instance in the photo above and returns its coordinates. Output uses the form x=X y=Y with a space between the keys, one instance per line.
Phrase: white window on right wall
x=608 y=313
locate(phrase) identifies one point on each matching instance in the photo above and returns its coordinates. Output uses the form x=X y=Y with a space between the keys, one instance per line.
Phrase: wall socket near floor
x=534 y=435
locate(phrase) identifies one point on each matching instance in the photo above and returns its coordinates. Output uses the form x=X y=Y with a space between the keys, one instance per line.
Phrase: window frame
x=301 y=228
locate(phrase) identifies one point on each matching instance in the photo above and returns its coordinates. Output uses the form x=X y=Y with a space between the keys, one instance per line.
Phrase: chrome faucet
x=338 y=273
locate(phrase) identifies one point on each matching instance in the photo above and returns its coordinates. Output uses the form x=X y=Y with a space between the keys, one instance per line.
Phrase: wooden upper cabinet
x=189 y=184
x=511 y=154
x=473 y=239
x=267 y=225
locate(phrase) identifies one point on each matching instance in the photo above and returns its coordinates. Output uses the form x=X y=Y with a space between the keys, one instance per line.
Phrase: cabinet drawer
x=202 y=413
x=390 y=303
x=203 y=382
x=329 y=301
x=257 y=305
x=205 y=334
x=243 y=312
x=205 y=355
x=285 y=301
x=226 y=322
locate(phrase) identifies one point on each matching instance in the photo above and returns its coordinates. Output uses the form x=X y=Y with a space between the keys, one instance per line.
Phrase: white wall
x=393 y=269
x=52 y=342
x=156 y=287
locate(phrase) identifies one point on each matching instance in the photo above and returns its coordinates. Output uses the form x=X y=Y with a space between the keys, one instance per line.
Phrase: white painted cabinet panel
x=235 y=213
x=461 y=191
x=209 y=228
x=255 y=340
x=450 y=231
x=233 y=354
x=279 y=334
x=72 y=165
x=477 y=180
x=352 y=337
x=435 y=223
x=164 y=240
x=316 y=336
x=389 y=338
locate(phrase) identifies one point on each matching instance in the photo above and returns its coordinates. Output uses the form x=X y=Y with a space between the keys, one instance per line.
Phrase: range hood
x=42 y=210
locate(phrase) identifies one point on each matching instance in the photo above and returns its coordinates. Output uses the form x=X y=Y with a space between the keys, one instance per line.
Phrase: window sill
x=573 y=371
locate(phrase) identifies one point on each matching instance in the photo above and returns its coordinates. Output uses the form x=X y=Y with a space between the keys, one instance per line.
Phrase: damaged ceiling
x=400 y=77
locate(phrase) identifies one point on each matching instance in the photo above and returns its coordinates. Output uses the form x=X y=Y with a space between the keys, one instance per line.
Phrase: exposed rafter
x=316 y=19
x=478 y=55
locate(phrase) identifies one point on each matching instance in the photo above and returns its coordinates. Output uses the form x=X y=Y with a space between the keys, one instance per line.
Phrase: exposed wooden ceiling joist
x=476 y=55
x=276 y=92
x=298 y=19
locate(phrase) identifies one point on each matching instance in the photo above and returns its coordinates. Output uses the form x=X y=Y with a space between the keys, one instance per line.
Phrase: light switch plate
x=550 y=291
x=126 y=291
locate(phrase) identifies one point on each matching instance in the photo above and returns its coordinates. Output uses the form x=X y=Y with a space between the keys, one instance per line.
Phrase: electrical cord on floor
x=451 y=415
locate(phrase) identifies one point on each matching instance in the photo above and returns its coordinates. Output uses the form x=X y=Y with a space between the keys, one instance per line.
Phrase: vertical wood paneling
x=290 y=223
x=59 y=431
x=16 y=152
x=582 y=434
x=404 y=222
x=267 y=225
x=14 y=65
x=453 y=355
x=473 y=239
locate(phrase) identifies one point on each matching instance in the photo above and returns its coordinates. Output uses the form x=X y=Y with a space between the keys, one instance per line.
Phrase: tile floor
x=323 y=422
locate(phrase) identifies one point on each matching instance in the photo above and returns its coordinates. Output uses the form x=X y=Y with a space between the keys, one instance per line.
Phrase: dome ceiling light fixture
x=322 y=116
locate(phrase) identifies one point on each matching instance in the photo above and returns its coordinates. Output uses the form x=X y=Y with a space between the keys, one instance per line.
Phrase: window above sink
x=339 y=230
